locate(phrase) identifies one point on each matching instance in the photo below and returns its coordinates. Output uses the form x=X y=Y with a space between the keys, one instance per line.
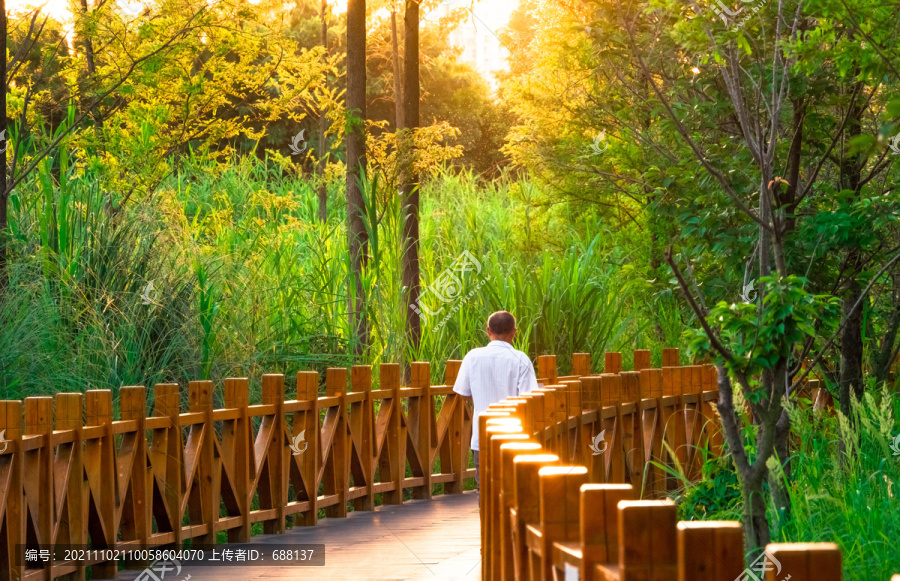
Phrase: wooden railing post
x=362 y=425
x=547 y=369
x=692 y=384
x=12 y=470
x=336 y=386
x=612 y=362
x=136 y=523
x=581 y=364
x=560 y=488
x=491 y=502
x=651 y=429
x=70 y=416
x=710 y=550
x=527 y=507
x=599 y=530
x=236 y=442
x=273 y=496
x=100 y=468
x=310 y=460
x=573 y=411
x=421 y=421
x=392 y=467
x=458 y=446
x=641 y=359
x=671 y=358
x=631 y=426
x=648 y=547
x=39 y=479
x=203 y=500
x=499 y=423
x=167 y=453
x=507 y=500
x=672 y=418
x=563 y=443
x=805 y=562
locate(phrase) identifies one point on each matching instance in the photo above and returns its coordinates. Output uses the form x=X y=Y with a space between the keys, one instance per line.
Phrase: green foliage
x=717 y=496
x=760 y=336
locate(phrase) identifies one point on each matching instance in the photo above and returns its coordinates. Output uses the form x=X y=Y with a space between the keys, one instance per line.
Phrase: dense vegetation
x=651 y=174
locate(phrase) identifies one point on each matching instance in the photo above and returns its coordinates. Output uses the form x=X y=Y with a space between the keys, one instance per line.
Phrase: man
x=493 y=373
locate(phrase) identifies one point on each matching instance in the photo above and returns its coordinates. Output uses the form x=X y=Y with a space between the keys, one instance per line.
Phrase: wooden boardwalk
x=436 y=540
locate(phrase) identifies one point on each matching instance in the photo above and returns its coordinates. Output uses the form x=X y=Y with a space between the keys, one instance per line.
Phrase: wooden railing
x=557 y=503
x=72 y=474
x=162 y=478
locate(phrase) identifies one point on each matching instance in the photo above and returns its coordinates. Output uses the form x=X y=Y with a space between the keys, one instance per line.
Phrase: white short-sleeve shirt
x=491 y=374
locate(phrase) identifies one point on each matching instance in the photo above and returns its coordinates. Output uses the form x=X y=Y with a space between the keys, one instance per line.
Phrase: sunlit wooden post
x=236 y=439
x=527 y=506
x=362 y=423
x=599 y=532
x=203 y=503
x=491 y=505
x=671 y=358
x=100 y=467
x=421 y=421
x=647 y=540
x=806 y=561
x=136 y=523
x=392 y=467
x=641 y=359
x=70 y=417
x=612 y=362
x=560 y=489
x=38 y=479
x=457 y=460
x=168 y=452
x=272 y=494
x=310 y=459
x=573 y=413
x=546 y=365
x=581 y=364
x=507 y=498
x=11 y=426
x=710 y=549
x=336 y=387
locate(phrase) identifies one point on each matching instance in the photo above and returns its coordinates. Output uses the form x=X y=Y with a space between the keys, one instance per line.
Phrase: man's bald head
x=501 y=326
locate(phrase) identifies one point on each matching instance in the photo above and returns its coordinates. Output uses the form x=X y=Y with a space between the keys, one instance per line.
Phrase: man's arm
x=527 y=378
x=462 y=385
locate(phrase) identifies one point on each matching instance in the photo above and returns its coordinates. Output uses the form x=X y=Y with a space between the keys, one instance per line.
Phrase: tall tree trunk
x=851 y=336
x=410 y=189
x=4 y=195
x=851 y=344
x=357 y=239
x=398 y=74
x=323 y=127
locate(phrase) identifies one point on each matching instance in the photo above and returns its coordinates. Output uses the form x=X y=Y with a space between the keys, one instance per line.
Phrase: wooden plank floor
x=436 y=540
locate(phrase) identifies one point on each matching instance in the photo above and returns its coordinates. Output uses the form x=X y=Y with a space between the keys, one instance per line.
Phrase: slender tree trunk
x=851 y=345
x=4 y=195
x=398 y=74
x=851 y=336
x=323 y=128
x=756 y=525
x=410 y=189
x=356 y=163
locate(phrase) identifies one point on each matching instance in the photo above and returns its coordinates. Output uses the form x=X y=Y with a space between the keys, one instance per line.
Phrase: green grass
x=844 y=487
